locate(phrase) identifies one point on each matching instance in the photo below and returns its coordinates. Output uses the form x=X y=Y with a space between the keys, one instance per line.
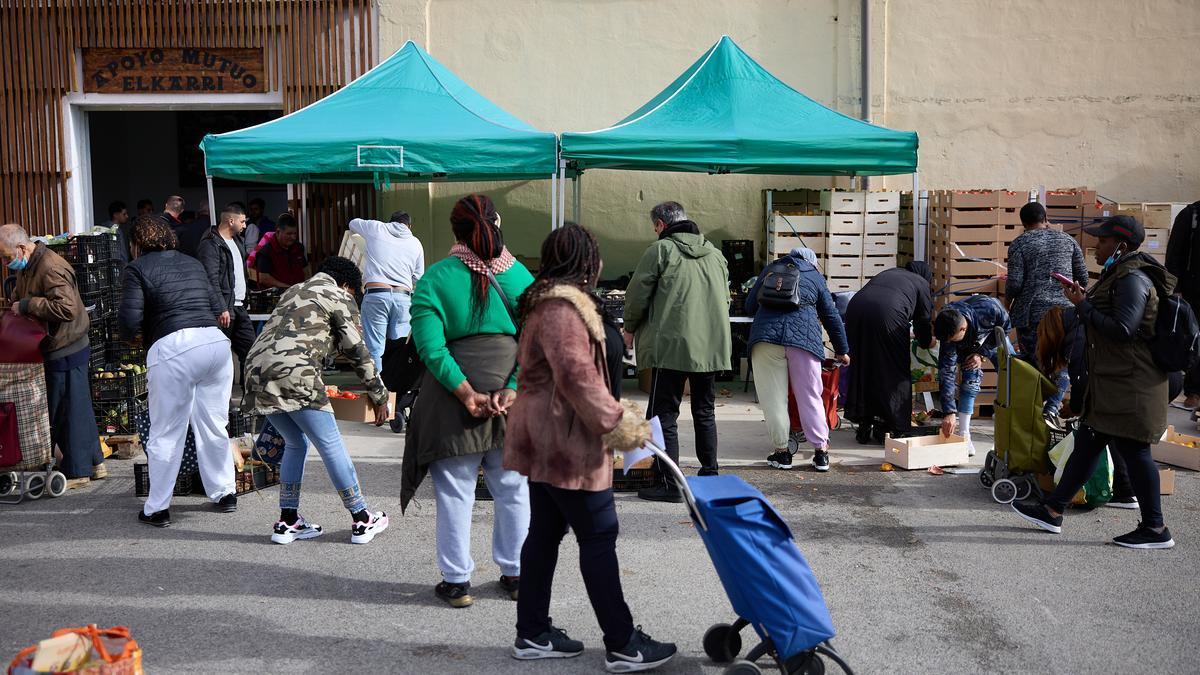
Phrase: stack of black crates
x=117 y=370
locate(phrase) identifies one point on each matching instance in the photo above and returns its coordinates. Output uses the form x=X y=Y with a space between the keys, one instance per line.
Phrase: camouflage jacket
x=283 y=370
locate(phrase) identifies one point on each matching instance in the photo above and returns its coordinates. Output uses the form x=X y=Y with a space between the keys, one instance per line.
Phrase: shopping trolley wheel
x=743 y=667
x=35 y=485
x=722 y=643
x=1004 y=491
x=8 y=483
x=57 y=486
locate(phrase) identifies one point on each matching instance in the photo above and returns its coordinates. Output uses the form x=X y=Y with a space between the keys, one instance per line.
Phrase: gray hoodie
x=394 y=254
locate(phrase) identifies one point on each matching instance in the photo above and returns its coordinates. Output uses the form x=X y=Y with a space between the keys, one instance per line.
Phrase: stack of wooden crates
x=855 y=234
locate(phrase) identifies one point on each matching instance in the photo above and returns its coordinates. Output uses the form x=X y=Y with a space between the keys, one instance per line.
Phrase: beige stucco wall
x=1012 y=94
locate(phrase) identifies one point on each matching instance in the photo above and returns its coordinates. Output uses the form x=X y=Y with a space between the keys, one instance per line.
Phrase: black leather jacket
x=218 y=264
x=163 y=292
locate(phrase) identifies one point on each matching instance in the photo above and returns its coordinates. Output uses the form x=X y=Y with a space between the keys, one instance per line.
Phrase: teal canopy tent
x=408 y=119
x=727 y=114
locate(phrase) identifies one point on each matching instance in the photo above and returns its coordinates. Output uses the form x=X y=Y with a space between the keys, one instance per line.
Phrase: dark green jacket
x=677 y=305
x=1127 y=393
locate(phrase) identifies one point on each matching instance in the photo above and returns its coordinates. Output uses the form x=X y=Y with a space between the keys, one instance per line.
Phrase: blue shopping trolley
x=767 y=580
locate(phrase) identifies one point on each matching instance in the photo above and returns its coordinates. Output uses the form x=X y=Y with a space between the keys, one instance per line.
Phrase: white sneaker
x=301 y=529
x=970 y=448
x=363 y=533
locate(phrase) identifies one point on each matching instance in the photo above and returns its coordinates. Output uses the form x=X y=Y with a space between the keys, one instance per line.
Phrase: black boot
x=863 y=435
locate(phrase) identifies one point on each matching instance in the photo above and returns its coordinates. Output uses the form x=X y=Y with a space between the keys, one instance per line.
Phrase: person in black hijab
x=879 y=399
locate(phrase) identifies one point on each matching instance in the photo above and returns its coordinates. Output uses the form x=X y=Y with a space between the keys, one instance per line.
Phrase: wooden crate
x=873 y=265
x=1072 y=197
x=843 y=266
x=948 y=249
x=843 y=201
x=844 y=244
x=948 y=216
x=964 y=234
x=981 y=199
x=880 y=244
x=1156 y=241
x=782 y=244
x=844 y=223
x=1160 y=215
x=922 y=452
x=786 y=223
x=882 y=202
x=1008 y=233
x=838 y=285
x=881 y=223
x=958 y=267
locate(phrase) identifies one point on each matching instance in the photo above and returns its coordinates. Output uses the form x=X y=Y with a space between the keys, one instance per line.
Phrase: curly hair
x=344 y=272
x=152 y=233
x=571 y=256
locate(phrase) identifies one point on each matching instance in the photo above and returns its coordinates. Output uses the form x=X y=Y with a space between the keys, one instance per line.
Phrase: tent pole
x=554 y=201
x=304 y=215
x=562 y=192
x=576 y=200
x=918 y=226
x=213 y=211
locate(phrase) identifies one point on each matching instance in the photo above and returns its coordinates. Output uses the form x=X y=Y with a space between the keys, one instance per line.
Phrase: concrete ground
x=922 y=574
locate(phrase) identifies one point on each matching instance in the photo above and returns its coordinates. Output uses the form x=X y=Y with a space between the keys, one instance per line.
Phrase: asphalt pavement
x=922 y=574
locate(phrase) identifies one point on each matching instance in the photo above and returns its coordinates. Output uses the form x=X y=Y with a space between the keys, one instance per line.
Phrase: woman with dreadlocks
x=165 y=296
x=561 y=434
x=464 y=326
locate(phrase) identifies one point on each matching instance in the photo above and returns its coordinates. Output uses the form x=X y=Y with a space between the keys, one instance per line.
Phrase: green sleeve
x=429 y=331
x=524 y=279
x=641 y=289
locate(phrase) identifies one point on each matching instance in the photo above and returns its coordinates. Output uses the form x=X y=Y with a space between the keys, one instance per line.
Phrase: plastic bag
x=1098 y=489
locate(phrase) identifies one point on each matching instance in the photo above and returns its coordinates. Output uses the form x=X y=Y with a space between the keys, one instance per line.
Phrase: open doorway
x=153 y=154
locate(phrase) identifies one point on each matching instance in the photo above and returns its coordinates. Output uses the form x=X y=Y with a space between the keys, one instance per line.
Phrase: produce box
x=86 y=248
x=118 y=417
x=922 y=452
x=1160 y=215
x=255 y=475
x=1166 y=481
x=357 y=409
x=1156 y=241
x=842 y=285
x=1177 y=449
x=880 y=244
x=1071 y=197
x=873 y=265
x=881 y=223
x=843 y=201
x=982 y=199
x=619 y=462
x=783 y=243
x=184 y=484
x=798 y=224
x=882 y=202
x=844 y=244
x=635 y=480
x=118 y=382
x=844 y=223
x=843 y=267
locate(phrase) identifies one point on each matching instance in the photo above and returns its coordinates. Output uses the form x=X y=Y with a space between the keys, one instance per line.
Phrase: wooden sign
x=172 y=70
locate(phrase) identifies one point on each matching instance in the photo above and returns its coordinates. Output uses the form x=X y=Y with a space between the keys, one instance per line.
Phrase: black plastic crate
x=87 y=249
x=263 y=301
x=241 y=424
x=122 y=384
x=112 y=272
x=96 y=356
x=739 y=254
x=184 y=484
x=122 y=352
x=636 y=479
x=98 y=336
x=97 y=302
x=255 y=477
x=92 y=278
x=119 y=417
x=614 y=305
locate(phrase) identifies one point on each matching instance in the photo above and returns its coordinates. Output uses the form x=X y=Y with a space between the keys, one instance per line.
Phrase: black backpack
x=780 y=289
x=1176 y=342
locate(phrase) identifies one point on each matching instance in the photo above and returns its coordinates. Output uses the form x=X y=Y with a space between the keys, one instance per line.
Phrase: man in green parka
x=1125 y=406
x=677 y=313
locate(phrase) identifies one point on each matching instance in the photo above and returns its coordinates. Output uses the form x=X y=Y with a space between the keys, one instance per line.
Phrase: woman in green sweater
x=463 y=326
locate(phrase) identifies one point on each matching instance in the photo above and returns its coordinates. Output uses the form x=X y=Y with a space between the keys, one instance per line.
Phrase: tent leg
x=213 y=211
x=554 y=201
x=304 y=229
x=562 y=192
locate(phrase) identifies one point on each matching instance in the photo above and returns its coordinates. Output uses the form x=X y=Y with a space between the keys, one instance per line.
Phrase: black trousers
x=593 y=517
x=72 y=419
x=666 y=393
x=1139 y=467
x=241 y=335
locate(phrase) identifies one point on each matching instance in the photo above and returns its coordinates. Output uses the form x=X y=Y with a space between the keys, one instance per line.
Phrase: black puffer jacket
x=163 y=292
x=214 y=254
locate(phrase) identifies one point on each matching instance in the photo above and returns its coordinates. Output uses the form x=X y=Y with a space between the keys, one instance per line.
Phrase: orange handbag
x=104 y=659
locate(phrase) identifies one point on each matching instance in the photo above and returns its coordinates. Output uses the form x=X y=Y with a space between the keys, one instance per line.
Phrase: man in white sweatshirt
x=394 y=262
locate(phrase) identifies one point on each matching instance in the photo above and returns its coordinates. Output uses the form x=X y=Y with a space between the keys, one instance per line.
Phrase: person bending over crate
x=165 y=296
x=966 y=329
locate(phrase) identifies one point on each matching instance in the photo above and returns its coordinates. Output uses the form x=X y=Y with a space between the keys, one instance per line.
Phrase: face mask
x=18 y=264
x=1112 y=259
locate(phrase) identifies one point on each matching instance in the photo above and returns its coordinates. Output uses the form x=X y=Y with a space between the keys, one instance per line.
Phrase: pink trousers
x=775 y=368
x=804 y=371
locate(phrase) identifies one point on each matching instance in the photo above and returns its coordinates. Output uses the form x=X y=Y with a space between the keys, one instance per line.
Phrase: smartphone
x=1062 y=279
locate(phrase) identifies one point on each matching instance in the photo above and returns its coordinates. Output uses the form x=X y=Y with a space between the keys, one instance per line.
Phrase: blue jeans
x=454 y=486
x=297 y=429
x=968 y=389
x=1027 y=337
x=385 y=316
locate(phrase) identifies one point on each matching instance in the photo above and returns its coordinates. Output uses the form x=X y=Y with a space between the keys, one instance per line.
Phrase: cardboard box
x=844 y=223
x=1166 y=481
x=883 y=202
x=359 y=409
x=922 y=452
x=1173 y=449
x=844 y=244
x=841 y=201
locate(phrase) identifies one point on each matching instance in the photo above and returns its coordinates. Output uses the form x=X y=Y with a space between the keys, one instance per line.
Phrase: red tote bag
x=20 y=337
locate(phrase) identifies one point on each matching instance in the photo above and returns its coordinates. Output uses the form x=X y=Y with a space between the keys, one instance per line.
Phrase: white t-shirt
x=394 y=255
x=239 y=272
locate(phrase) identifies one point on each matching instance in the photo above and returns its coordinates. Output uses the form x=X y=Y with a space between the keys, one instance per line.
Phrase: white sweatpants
x=190 y=379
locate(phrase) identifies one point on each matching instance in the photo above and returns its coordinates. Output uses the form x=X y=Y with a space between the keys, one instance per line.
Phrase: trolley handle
x=676 y=473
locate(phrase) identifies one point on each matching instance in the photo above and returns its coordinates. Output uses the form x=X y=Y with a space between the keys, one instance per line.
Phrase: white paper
x=635 y=456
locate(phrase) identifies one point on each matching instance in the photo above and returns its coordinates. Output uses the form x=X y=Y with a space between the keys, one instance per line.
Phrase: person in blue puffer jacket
x=787 y=344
